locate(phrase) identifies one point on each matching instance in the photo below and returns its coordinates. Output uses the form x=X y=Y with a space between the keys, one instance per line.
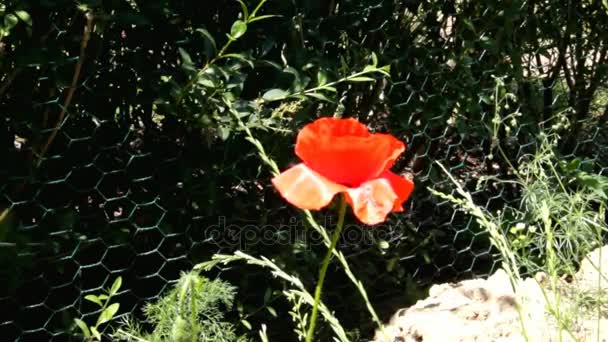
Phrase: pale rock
x=481 y=310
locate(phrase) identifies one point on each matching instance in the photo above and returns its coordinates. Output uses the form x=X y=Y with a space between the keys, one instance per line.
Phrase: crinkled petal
x=337 y=127
x=373 y=200
x=403 y=188
x=343 y=150
x=305 y=188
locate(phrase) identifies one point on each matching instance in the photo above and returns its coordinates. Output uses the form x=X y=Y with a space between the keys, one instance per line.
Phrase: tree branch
x=72 y=89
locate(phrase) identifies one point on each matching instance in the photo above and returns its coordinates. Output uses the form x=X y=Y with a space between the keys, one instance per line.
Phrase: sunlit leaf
x=274 y=95
x=320 y=96
x=206 y=82
x=96 y=333
x=224 y=132
x=386 y=70
x=25 y=17
x=94 y=299
x=272 y=311
x=246 y=324
x=361 y=79
x=244 y=9
x=321 y=78
x=238 y=29
x=10 y=20
x=108 y=313
x=383 y=244
x=262 y=17
x=116 y=286
x=83 y=327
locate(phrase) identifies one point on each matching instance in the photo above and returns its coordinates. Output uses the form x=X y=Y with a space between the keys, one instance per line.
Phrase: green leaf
x=10 y=21
x=262 y=17
x=116 y=286
x=426 y=257
x=383 y=244
x=108 y=314
x=274 y=95
x=245 y=10
x=206 y=82
x=94 y=299
x=238 y=29
x=300 y=81
x=267 y=294
x=185 y=56
x=361 y=79
x=246 y=324
x=485 y=99
x=209 y=37
x=320 y=96
x=96 y=333
x=272 y=311
x=25 y=17
x=469 y=24
x=386 y=70
x=83 y=327
x=240 y=57
x=374 y=59
x=370 y=68
x=574 y=164
x=215 y=73
x=224 y=132
x=102 y=297
x=321 y=78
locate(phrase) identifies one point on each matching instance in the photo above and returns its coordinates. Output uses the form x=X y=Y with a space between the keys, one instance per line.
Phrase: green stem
x=193 y=312
x=200 y=73
x=323 y=270
x=331 y=84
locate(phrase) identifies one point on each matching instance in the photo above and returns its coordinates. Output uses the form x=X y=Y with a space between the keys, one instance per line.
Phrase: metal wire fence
x=112 y=197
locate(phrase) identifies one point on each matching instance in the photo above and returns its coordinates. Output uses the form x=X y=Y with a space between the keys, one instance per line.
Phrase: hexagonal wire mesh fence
x=108 y=199
x=94 y=182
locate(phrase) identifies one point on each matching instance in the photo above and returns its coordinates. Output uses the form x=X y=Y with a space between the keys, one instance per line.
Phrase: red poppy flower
x=342 y=156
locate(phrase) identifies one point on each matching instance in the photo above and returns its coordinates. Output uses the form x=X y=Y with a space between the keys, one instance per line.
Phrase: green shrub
x=193 y=310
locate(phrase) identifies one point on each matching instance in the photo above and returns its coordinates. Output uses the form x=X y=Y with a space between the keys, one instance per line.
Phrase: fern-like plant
x=191 y=311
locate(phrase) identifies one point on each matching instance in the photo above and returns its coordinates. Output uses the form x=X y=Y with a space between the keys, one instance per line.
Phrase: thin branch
x=601 y=59
x=72 y=89
x=604 y=116
x=8 y=81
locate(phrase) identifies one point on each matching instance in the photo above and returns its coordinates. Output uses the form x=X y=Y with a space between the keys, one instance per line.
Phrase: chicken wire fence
x=112 y=197
x=106 y=202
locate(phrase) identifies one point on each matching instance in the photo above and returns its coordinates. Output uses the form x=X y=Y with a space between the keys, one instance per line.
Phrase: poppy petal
x=403 y=188
x=375 y=199
x=343 y=150
x=337 y=127
x=306 y=189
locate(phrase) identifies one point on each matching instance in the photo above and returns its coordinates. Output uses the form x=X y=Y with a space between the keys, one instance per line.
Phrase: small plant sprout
x=107 y=312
